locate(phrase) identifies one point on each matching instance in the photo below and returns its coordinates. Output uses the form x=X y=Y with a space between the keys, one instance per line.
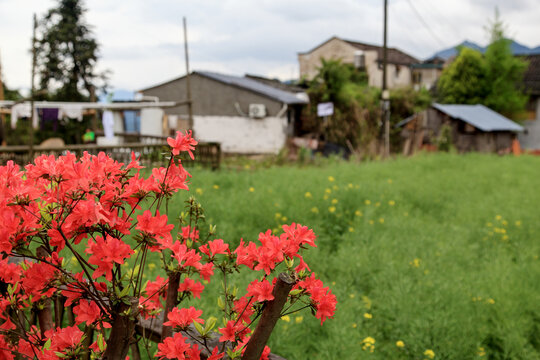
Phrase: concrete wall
x=531 y=138
x=242 y=135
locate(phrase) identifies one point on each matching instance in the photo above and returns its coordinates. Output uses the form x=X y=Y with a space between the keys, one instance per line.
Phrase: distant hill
x=517 y=49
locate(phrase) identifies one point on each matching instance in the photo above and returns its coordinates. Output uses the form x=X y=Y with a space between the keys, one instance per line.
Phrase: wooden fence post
x=269 y=318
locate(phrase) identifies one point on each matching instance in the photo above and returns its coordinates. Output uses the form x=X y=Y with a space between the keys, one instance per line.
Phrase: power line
x=425 y=24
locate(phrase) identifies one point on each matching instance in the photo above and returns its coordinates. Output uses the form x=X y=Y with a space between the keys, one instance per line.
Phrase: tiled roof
x=286 y=97
x=395 y=56
x=479 y=116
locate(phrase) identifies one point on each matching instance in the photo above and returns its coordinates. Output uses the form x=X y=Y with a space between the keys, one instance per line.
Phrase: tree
x=504 y=73
x=464 y=81
x=355 y=104
x=492 y=79
x=67 y=53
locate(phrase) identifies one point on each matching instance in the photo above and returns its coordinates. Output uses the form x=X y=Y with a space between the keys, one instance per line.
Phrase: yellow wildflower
x=199 y=191
x=367 y=202
x=400 y=344
x=335 y=201
x=498 y=217
x=368 y=344
x=378 y=203
x=298 y=319
x=247 y=167
x=389 y=181
x=429 y=353
x=278 y=215
x=371 y=222
x=489 y=224
x=368 y=316
x=308 y=195
x=351 y=296
x=283 y=218
x=391 y=203
x=518 y=223
x=381 y=220
x=215 y=186
x=331 y=178
x=286 y=318
x=358 y=213
x=351 y=229
x=332 y=209
x=350 y=186
x=314 y=210
x=335 y=187
x=504 y=222
x=354 y=325
x=251 y=189
x=151 y=266
x=481 y=351
x=490 y=301
x=415 y=263
x=328 y=190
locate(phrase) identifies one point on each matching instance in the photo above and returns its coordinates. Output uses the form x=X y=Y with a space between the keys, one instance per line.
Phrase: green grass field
x=436 y=252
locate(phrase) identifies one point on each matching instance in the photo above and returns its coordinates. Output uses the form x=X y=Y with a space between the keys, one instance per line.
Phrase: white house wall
x=238 y=134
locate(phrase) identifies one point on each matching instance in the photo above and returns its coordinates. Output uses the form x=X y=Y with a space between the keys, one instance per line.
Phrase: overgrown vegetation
x=437 y=252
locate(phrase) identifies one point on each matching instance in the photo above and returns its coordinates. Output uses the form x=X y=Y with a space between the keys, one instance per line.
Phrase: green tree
x=67 y=53
x=492 y=79
x=504 y=73
x=464 y=81
x=355 y=104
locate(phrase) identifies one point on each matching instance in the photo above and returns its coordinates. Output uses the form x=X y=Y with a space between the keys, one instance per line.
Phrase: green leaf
x=210 y=323
x=220 y=303
x=101 y=342
x=47 y=344
x=199 y=328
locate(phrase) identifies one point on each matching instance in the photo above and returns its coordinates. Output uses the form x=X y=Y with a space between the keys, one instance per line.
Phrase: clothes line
x=73 y=110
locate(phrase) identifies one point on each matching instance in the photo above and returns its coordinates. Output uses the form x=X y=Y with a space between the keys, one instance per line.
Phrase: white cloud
x=142 y=41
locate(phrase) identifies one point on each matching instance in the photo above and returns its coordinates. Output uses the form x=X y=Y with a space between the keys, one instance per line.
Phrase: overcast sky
x=142 y=41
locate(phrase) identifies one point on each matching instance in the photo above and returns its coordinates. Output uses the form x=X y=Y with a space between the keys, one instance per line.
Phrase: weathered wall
x=530 y=139
x=239 y=134
x=210 y=97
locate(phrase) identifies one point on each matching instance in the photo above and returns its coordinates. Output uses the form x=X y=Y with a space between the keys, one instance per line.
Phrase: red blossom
x=182 y=318
x=155 y=226
x=182 y=142
x=214 y=248
x=260 y=290
x=192 y=286
x=86 y=311
x=176 y=347
x=106 y=253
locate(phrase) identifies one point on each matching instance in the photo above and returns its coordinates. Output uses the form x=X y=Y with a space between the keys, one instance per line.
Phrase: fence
x=151 y=154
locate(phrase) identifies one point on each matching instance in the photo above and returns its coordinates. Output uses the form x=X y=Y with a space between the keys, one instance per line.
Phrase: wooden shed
x=471 y=128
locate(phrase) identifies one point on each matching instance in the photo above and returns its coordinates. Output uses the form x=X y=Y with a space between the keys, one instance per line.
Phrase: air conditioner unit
x=257 y=110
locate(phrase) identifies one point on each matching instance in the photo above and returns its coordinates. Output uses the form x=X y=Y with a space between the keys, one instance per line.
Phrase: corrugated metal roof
x=256 y=86
x=479 y=116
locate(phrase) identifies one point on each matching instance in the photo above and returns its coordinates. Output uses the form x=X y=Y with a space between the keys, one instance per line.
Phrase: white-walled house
x=243 y=114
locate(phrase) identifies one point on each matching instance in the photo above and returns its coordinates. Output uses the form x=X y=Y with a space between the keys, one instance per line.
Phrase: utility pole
x=2 y=140
x=33 y=90
x=385 y=93
x=188 y=87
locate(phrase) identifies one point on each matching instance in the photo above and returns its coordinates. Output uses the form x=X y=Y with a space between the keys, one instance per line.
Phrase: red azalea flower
x=182 y=318
x=182 y=143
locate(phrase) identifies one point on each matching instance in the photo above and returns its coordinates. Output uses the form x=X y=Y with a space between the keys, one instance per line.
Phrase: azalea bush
x=102 y=215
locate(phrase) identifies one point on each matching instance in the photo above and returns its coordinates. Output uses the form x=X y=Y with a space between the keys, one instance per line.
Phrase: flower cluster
x=104 y=214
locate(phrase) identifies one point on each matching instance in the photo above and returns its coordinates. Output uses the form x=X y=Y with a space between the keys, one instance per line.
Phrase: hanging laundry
x=22 y=110
x=71 y=111
x=108 y=124
x=49 y=115
x=132 y=121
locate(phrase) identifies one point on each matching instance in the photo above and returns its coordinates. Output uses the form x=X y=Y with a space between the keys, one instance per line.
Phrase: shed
x=471 y=127
x=243 y=114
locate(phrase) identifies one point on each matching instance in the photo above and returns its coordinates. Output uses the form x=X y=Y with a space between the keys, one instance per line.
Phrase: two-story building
x=369 y=57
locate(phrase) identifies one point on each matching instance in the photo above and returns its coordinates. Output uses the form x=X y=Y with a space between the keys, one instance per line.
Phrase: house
x=426 y=73
x=361 y=55
x=244 y=115
x=468 y=127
